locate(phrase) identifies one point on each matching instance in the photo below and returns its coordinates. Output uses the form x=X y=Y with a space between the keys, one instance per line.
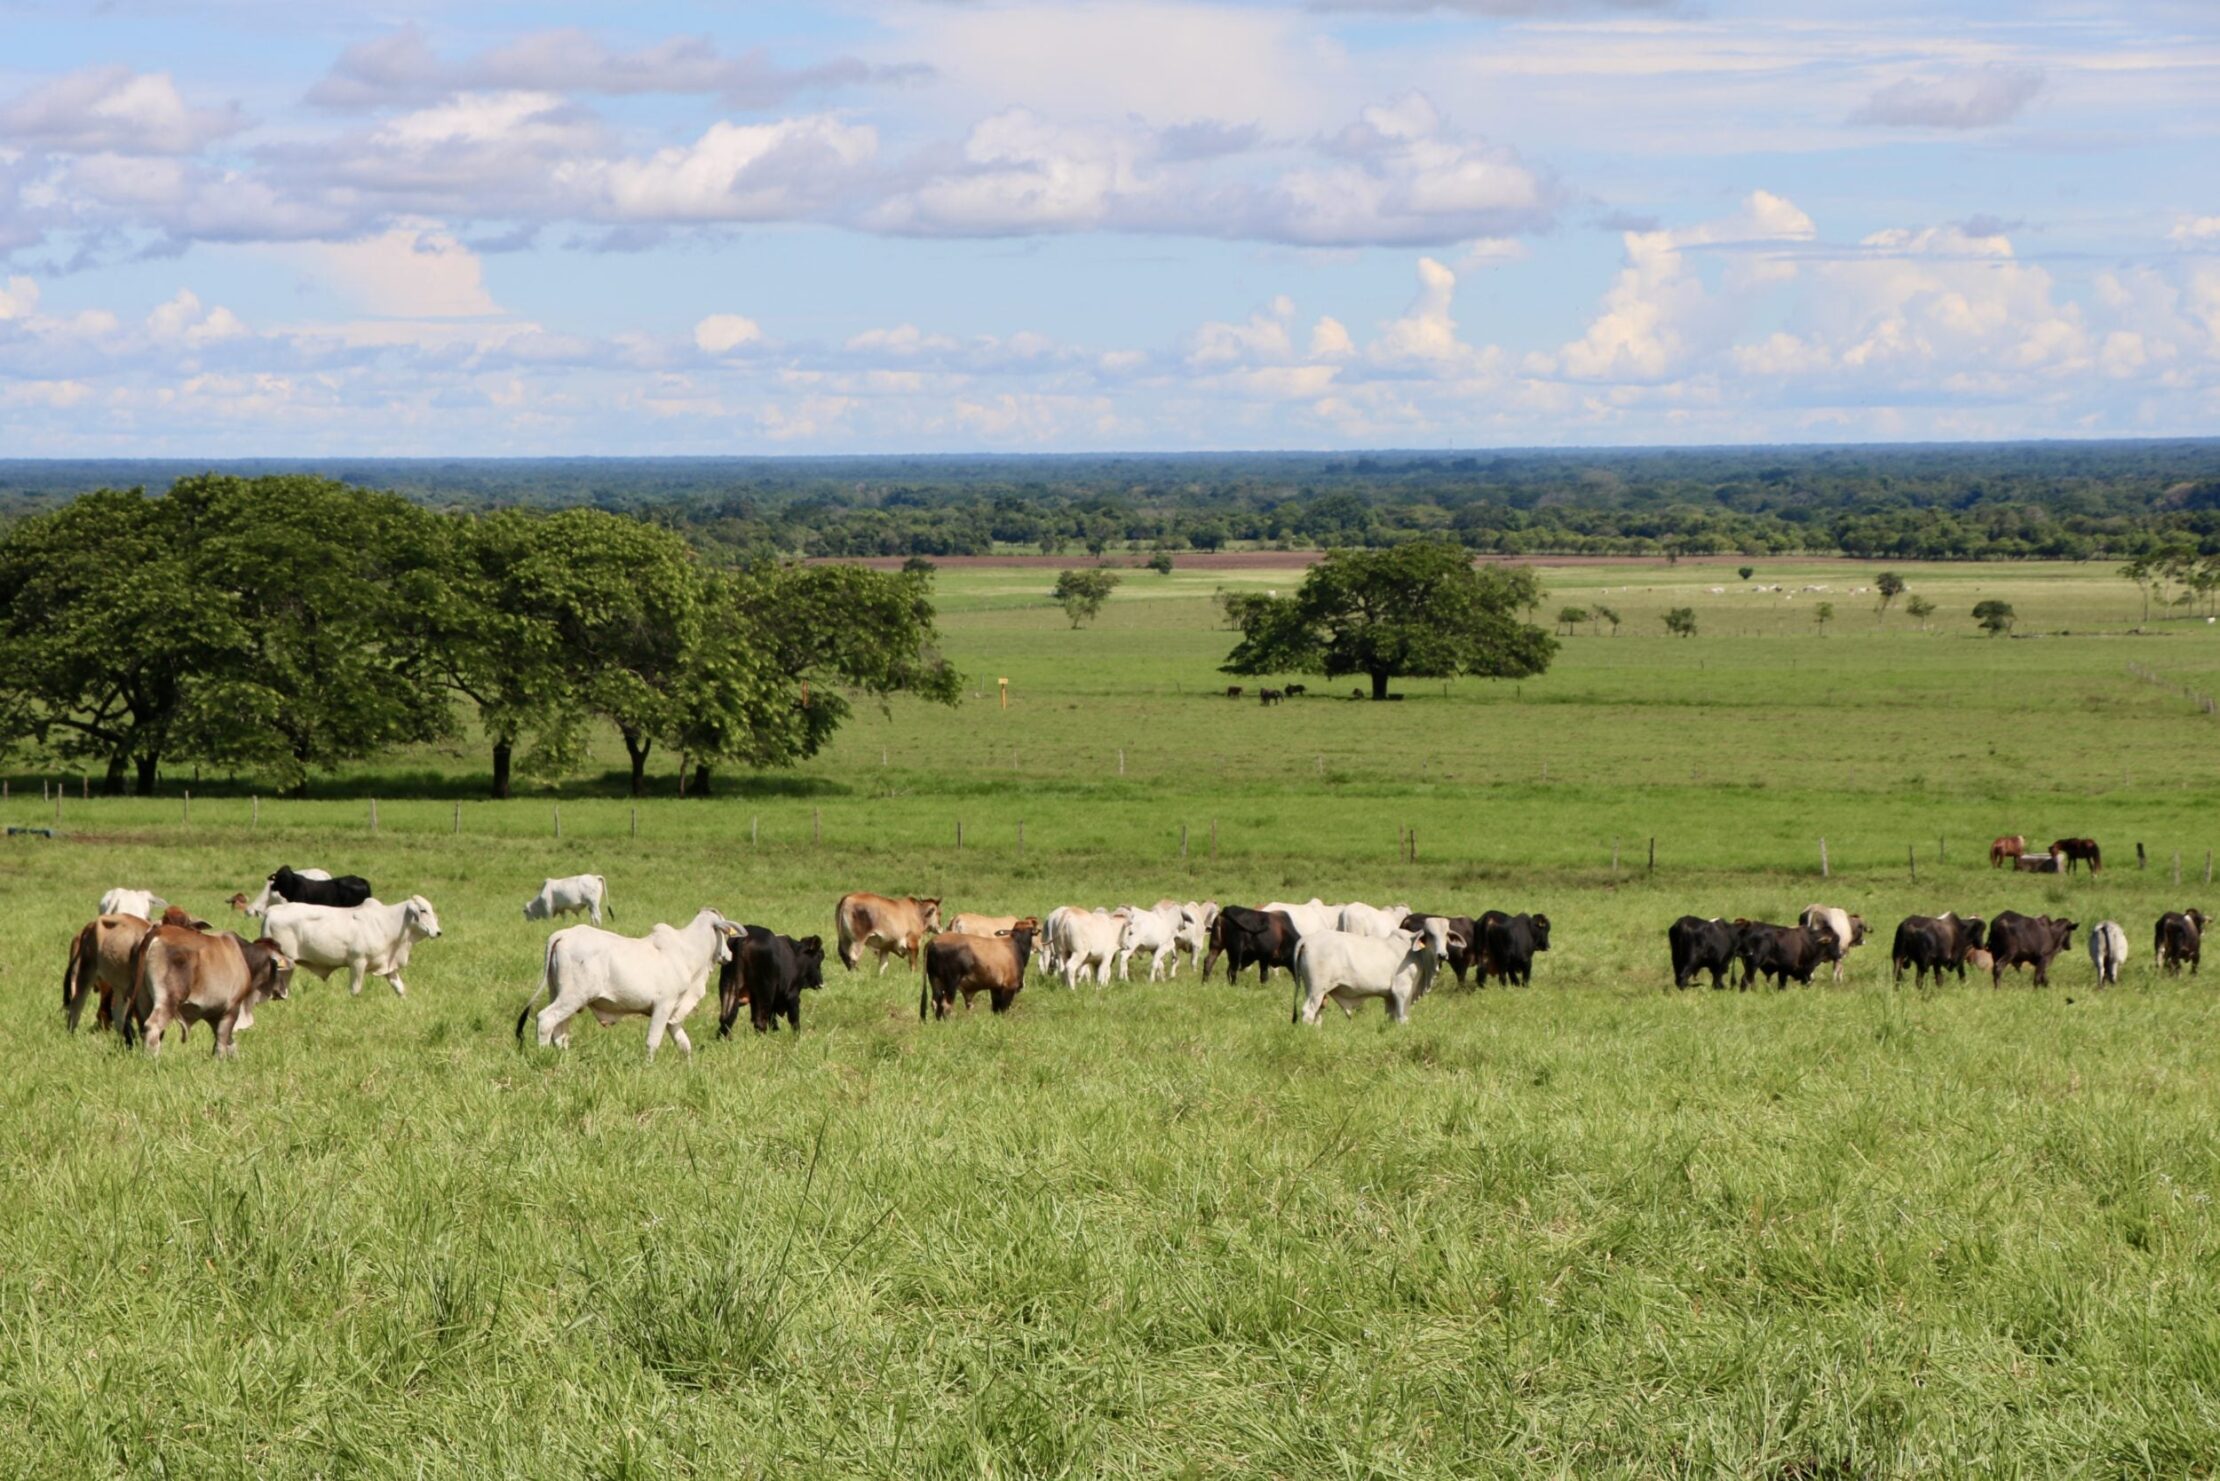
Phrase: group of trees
x=285 y=625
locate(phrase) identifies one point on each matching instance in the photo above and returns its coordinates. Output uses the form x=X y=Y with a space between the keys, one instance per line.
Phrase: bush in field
x=1681 y=622
x=1995 y=616
x=1082 y=593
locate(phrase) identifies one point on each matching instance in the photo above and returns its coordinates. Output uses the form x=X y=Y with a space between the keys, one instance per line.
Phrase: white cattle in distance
x=1154 y=931
x=2108 y=951
x=1360 y=919
x=576 y=894
x=144 y=904
x=1086 y=938
x=660 y=977
x=1196 y=917
x=1350 y=968
x=371 y=938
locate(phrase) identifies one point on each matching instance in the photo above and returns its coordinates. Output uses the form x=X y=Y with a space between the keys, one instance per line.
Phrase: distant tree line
x=285 y=625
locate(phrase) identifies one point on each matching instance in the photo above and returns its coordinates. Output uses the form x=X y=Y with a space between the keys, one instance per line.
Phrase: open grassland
x=1593 y=1227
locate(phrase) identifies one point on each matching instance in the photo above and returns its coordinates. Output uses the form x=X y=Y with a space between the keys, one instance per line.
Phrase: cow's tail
x=606 y=904
x=547 y=975
x=73 y=975
x=924 y=986
x=844 y=930
x=1295 y=970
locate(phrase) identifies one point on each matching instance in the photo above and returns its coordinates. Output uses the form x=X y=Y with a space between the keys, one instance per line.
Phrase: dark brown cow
x=2179 y=938
x=2076 y=851
x=1265 y=937
x=100 y=961
x=1269 y=696
x=1937 y=944
x=2017 y=940
x=187 y=975
x=890 y=926
x=994 y=965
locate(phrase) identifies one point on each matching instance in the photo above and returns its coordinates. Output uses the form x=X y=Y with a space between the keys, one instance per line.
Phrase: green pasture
x=1594 y=1227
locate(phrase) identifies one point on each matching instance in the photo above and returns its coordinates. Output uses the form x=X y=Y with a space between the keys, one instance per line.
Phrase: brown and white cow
x=100 y=961
x=890 y=927
x=994 y=965
x=181 y=974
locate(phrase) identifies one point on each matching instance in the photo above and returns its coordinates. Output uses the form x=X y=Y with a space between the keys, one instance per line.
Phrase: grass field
x=1594 y=1227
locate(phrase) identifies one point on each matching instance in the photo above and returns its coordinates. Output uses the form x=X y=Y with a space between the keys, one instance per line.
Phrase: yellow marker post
x=1004 y=684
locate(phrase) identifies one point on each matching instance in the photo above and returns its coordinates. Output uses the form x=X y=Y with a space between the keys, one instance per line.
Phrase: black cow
x=347 y=891
x=2017 y=940
x=1506 y=945
x=2179 y=938
x=768 y=973
x=1266 y=937
x=1781 y=952
x=1935 y=943
x=1700 y=945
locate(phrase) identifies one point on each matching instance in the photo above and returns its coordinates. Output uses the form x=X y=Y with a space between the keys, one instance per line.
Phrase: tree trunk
x=111 y=785
x=1379 y=685
x=502 y=751
x=701 y=779
x=638 y=748
x=150 y=771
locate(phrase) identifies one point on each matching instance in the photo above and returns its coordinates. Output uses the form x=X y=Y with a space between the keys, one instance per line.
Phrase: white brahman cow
x=1314 y=919
x=1196 y=917
x=1087 y=938
x=2108 y=951
x=659 y=977
x=1360 y=919
x=1153 y=931
x=578 y=893
x=144 y=904
x=1349 y=968
x=369 y=938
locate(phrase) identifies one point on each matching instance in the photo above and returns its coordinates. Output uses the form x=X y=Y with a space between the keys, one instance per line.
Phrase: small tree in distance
x=1571 y=617
x=1890 y=586
x=1082 y=593
x=1745 y=572
x=1919 y=609
x=1824 y=614
x=1995 y=616
x=1610 y=615
x=1161 y=563
x=1681 y=622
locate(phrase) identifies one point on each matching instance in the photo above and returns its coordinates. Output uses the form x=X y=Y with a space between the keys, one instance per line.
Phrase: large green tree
x=1420 y=610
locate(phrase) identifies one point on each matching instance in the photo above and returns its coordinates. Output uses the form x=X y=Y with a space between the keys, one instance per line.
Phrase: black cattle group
x=1498 y=946
x=1925 y=946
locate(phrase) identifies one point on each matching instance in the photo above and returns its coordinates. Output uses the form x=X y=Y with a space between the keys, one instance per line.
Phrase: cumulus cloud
x=721 y=334
x=102 y=110
x=1976 y=99
x=733 y=172
x=2197 y=232
x=413 y=271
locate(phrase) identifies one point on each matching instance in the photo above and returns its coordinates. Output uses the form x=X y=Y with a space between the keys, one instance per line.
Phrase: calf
x=100 y=961
x=2108 y=951
x=1935 y=943
x=181 y=974
x=576 y=894
x=994 y=965
x=768 y=973
x=1781 y=952
x=2179 y=938
x=344 y=892
x=2017 y=940
x=885 y=924
x=1265 y=937
x=1508 y=943
x=1350 y=968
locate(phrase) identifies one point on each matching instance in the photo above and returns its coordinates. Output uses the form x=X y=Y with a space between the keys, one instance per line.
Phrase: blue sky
x=237 y=227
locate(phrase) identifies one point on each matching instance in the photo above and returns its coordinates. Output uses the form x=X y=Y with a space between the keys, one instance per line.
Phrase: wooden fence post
x=1183 y=840
x=1414 y=845
x=1911 y=857
x=57 y=804
x=1121 y=761
x=959 y=835
x=558 y=820
x=1653 y=853
x=1823 y=858
x=188 y=818
x=256 y=801
x=635 y=820
x=1941 y=856
x=458 y=819
x=44 y=791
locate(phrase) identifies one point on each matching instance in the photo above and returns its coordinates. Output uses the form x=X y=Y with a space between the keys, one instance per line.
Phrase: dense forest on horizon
x=2055 y=500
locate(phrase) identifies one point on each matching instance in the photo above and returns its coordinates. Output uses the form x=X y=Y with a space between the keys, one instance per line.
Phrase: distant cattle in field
x=1699 y=946
x=1293 y=690
x=100 y=963
x=888 y=925
x=2108 y=951
x=768 y=973
x=577 y=894
x=1242 y=936
x=1235 y=691
x=344 y=892
x=2010 y=846
x=1349 y=969
x=2178 y=939
x=1778 y=953
x=2038 y=864
x=994 y=965
x=2077 y=851
x=2017 y=940
x=1935 y=943
x=1848 y=929
x=1269 y=696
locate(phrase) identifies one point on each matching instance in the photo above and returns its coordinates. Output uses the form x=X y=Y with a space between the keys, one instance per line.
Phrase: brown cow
x=182 y=974
x=2011 y=846
x=890 y=927
x=100 y=959
x=994 y=965
x=970 y=923
x=2178 y=939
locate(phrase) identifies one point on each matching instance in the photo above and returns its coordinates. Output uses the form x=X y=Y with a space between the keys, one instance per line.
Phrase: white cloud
x=721 y=334
x=413 y=271
x=1976 y=99
x=184 y=320
x=19 y=298
x=736 y=172
x=2195 y=231
x=113 y=110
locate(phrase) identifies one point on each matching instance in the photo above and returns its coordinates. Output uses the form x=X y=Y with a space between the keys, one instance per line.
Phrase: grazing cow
x=2108 y=951
x=1848 y=929
x=100 y=961
x=2017 y=940
x=1269 y=696
x=1360 y=919
x=1935 y=943
x=181 y=974
x=2037 y=864
x=344 y=892
x=1350 y=968
x=1234 y=691
x=890 y=926
x=2079 y=851
x=365 y=939
x=1293 y=690
x=1700 y=945
x=586 y=894
x=2010 y=846
x=144 y=904
x=768 y=973
x=1265 y=937
x=994 y=965
x=660 y=976
x=1312 y=919
x=1153 y=931
x=1464 y=944
x=2179 y=938
x=1507 y=945
x=1088 y=938
x=1781 y=952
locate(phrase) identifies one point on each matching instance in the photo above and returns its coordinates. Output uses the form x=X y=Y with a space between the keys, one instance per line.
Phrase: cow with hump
x=181 y=973
x=100 y=962
x=889 y=925
x=659 y=977
x=768 y=973
x=1397 y=968
x=576 y=894
x=368 y=938
x=1935 y=943
x=1848 y=930
x=970 y=965
x=2017 y=940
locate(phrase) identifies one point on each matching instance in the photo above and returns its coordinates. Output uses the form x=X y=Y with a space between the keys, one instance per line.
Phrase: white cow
x=1360 y=919
x=1087 y=938
x=270 y=896
x=1849 y=930
x=569 y=896
x=1196 y=917
x=1313 y=919
x=1153 y=931
x=2108 y=951
x=370 y=938
x=1350 y=968
x=144 y=904
x=659 y=977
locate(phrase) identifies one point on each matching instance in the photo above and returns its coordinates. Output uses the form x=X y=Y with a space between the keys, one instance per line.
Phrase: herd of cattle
x=151 y=964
